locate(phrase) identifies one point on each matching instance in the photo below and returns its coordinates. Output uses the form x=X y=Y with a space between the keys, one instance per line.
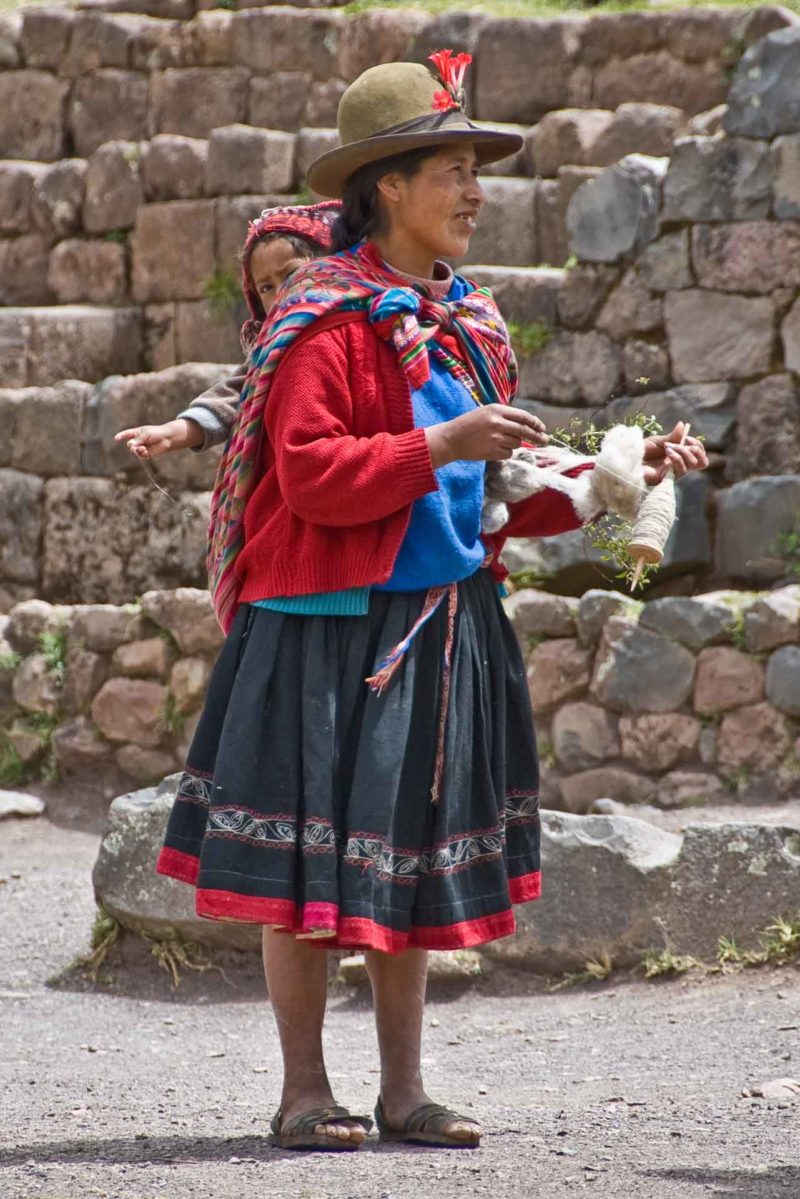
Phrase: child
x=280 y=241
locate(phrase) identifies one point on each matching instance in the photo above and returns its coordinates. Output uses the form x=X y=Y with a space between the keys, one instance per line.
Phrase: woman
x=364 y=773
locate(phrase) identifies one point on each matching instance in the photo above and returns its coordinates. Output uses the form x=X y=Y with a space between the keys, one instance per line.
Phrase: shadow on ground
x=145 y=1150
x=767 y=1183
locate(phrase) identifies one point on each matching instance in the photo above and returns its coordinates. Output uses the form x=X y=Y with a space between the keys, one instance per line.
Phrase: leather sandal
x=299 y=1133
x=425 y=1126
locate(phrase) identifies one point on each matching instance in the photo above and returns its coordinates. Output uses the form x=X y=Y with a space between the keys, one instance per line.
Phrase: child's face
x=271 y=264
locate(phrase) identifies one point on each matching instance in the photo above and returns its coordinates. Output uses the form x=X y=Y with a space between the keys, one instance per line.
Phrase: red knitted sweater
x=341 y=466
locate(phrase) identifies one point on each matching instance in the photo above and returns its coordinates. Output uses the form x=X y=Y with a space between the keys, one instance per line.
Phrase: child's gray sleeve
x=215 y=410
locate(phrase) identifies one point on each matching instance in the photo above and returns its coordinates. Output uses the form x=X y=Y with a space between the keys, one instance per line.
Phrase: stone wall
x=675 y=702
x=682 y=298
x=136 y=147
x=80 y=519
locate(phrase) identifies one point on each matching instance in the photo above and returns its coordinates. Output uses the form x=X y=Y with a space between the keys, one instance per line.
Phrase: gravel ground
x=136 y=1091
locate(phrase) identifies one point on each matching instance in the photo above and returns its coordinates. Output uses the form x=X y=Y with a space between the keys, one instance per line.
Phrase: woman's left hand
x=665 y=451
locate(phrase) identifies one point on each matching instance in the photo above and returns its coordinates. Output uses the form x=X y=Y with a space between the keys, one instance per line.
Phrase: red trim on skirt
x=321 y=922
x=185 y=867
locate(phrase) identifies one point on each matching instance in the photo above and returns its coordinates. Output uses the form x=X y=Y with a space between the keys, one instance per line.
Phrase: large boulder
x=764 y=98
x=616 y=214
x=612 y=885
x=640 y=671
x=128 y=887
x=753 y=520
x=606 y=881
x=718 y=179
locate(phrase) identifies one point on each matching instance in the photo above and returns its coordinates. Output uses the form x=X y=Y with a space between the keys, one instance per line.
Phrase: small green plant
x=174 y=954
x=9 y=662
x=172 y=719
x=610 y=537
x=731 y=954
x=105 y=935
x=304 y=194
x=547 y=755
x=53 y=644
x=229 y=4
x=789 y=550
x=659 y=963
x=780 y=945
x=529 y=337
x=223 y=291
x=534 y=640
x=529 y=577
x=570 y=263
x=595 y=970
x=737 y=778
x=119 y=236
x=12 y=768
x=781 y=940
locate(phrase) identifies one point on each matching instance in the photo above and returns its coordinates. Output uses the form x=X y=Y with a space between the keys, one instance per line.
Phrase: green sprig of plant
x=789 y=549
x=53 y=645
x=9 y=661
x=529 y=337
x=222 y=289
x=610 y=536
x=172 y=719
x=12 y=768
x=595 y=970
x=659 y=963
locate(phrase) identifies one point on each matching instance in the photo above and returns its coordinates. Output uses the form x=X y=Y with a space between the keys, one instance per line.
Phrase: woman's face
x=271 y=264
x=438 y=207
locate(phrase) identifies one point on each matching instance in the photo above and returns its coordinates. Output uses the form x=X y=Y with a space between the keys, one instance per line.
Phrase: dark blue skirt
x=306 y=802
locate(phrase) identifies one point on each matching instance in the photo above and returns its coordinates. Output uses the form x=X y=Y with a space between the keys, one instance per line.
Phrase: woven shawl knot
x=393 y=315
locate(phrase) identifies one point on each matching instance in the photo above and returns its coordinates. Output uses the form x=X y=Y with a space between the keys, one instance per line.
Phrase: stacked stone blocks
x=675 y=702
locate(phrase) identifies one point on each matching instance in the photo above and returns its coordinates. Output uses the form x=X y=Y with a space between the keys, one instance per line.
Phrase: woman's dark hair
x=361 y=214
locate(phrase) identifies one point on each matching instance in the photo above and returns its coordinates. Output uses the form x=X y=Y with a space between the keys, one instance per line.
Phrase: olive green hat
x=401 y=106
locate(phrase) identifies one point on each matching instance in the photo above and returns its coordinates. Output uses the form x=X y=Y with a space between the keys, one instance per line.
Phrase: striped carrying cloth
x=353 y=281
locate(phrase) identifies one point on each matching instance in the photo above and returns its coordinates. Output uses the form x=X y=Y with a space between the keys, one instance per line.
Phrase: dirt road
x=133 y=1091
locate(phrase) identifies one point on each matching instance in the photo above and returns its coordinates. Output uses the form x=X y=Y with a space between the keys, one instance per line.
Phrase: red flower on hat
x=451 y=69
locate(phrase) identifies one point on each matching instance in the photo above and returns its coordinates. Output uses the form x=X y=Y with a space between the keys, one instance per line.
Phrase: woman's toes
x=463 y=1131
x=343 y=1132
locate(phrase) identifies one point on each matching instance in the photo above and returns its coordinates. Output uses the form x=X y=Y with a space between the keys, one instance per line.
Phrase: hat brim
x=328 y=175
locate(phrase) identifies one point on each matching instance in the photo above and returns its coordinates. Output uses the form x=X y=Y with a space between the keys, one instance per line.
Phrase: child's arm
x=205 y=423
x=215 y=410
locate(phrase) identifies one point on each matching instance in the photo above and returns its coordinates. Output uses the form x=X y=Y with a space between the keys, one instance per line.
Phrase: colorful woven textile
x=357 y=282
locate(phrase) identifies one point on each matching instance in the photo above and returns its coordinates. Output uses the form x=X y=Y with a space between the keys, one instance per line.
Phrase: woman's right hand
x=151 y=441
x=490 y=433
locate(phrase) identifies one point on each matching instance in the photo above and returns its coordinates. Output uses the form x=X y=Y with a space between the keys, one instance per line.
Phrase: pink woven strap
x=394 y=660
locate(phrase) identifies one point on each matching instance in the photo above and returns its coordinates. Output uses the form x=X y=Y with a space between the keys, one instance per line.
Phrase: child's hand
x=151 y=441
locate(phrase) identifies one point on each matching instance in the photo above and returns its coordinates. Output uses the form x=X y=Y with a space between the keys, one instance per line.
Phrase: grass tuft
x=9 y=662
x=529 y=337
x=174 y=954
x=660 y=963
x=788 y=548
x=105 y=935
x=224 y=291
x=595 y=970
x=53 y=644
x=12 y=768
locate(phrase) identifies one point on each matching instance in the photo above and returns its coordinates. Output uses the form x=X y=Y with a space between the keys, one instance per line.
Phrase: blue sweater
x=442 y=543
